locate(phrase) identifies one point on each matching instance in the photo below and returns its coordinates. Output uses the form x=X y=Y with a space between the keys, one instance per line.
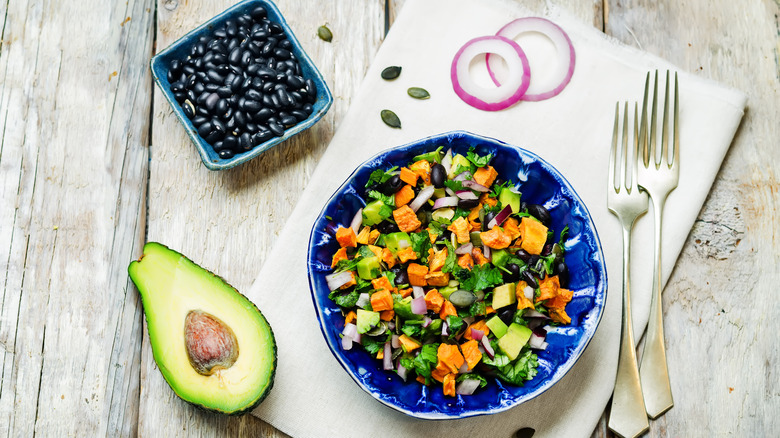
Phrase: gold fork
x=657 y=176
x=627 y=416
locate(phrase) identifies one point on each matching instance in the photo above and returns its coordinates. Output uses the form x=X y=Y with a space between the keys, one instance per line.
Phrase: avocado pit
x=211 y=344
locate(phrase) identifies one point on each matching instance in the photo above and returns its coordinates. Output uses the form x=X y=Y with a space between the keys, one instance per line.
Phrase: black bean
x=191 y=96
x=488 y=217
x=298 y=114
x=188 y=108
x=387 y=227
x=258 y=13
x=214 y=136
x=246 y=58
x=253 y=95
x=188 y=70
x=244 y=20
x=402 y=277
x=199 y=120
x=205 y=129
x=245 y=141
x=211 y=101
x=236 y=84
x=224 y=92
x=191 y=81
x=296 y=97
x=228 y=114
x=180 y=96
x=231 y=124
x=230 y=142
x=211 y=87
x=272 y=119
x=280 y=53
x=218 y=146
x=275 y=28
x=438 y=175
x=230 y=29
x=253 y=68
x=225 y=154
x=276 y=129
x=268 y=47
x=199 y=49
x=540 y=213
x=201 y=100
x=514 y=273
x=262 y=136
x=252 y=127
x=175 y=67
x=219 y=58
x=392 y=185
x=295 y=81
x=562 y=271
x=172 y=76
x=308 y=108
x=235 y=56
x=240 y=118
x=247 y=83
x=285 y=44
x=208 y=57
x=254 y=48
x=266 y=73
x=547 y=249
x=284 y=98
x=201 y=110
x=220 y=33
x=468 y=204
x=311 y=88
x=506 y=313
x=177 y=87
x=263 y=115
x=267 y=87
x=218 y=125
x=529 y=278
x=288 y=121
x=252 y=105
x=260 y=34
x=215 y=77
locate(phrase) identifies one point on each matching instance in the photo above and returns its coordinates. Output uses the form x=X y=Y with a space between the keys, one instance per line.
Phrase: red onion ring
x=357 y=221
x=563 y=47
x=447 y=201
x=422 y=197
x=491 y=99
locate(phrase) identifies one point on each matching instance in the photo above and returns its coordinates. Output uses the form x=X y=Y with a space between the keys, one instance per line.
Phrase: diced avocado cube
x=460 y=164
x=443 y=213
x=510 y=197
x=366 y=320
x=375 y=212
x=369 y=268
x=496 y=326
x=514 y=340
x=397 y=241
x=504 y=295
x=475 y=239
x=439 y=193
x=500 y=257
x=403 y=307
x=433 y=156
x=447 y=291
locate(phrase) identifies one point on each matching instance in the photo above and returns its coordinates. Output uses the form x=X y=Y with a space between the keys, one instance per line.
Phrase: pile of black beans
x=242 y=85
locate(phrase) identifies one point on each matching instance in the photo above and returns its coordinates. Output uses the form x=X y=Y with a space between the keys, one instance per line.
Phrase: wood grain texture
x=74 y=123
x=227 y=221
x=720 y=303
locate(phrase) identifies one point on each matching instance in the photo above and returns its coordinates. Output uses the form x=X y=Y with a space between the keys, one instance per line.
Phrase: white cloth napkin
x=312 y=394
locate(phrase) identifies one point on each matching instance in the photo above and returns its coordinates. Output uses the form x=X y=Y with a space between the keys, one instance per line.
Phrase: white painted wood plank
x=73 y=166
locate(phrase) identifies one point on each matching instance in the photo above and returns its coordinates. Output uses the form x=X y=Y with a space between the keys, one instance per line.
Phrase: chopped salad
x=447 y=276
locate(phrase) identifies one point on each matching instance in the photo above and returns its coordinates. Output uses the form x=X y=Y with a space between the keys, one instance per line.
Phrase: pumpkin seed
x=418 y=93
x=324 y=33
x=390 y=119
x=378 y=330
x=462 y=298
x=391 y=72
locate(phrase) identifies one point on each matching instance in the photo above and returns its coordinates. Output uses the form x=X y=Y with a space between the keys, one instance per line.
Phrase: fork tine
x=624 y=156
x=665 y=127
x=643 y=129
x=676 y=141
x=613 y=149
x=653 y=122
x=633 y=160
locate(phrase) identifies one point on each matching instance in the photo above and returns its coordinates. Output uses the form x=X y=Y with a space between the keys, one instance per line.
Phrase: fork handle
x=653 y=371
x=627 y=416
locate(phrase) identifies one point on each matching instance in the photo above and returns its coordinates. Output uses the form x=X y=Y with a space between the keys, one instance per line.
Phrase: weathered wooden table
x=93 y=164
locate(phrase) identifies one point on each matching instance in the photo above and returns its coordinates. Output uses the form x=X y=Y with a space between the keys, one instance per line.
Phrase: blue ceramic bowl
x=181 y=49
x=540 y=183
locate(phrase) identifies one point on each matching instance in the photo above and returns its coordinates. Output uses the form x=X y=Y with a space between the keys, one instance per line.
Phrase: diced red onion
x=500 y=217
x=536 y=342
x=463 y=176
x=504 y=95
x=473 y=185
x=395 y=341
x=488 y=347
x=387 y=357
x=466 y=194
x=445 y=329
x=346 y=343
x=477 y=334
x=391 y=325
x=401 y=371
x=417 y=292
x=357 y=221
x=338 y=279
x=426 y=321
x=447 y=161
x=464 y=249
x=419 y=307
x=363 y=300
x=447 y=201
x=486 y=252
x=467 y=387
x=563 y=47
x=464 y=368
x=349 y=332
x=529 y=292
x=422 y=197
x=449 y=191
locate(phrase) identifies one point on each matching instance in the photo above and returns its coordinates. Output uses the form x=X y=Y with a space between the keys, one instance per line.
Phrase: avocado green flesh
x=171 y=286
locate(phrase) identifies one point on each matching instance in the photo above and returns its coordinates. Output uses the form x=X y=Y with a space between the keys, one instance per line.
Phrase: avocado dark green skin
x=265 y=393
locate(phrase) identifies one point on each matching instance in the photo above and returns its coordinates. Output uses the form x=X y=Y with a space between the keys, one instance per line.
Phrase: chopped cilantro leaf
x=449 y=262
x=421 y=242
x=425 y=361
x=564 y=234
x=372 y=345
x=453 y=185
x=379 y=176
x=472 y=376
x=387 y=200
x=342 y=299
x=481 y=278
x=477 y=160
x=523 y=368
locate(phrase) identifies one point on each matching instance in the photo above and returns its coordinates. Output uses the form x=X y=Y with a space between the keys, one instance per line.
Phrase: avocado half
x=212 y=345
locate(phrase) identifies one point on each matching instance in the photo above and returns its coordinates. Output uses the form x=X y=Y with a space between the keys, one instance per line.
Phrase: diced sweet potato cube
x=533 y=234
x=406 y=254
x=362 y=237
x=423 y=169
x=548 y=288
x=489 y=310
x=436 y=262
x=560 y=300
x=388 y=257
x=408 y=176
x=351 y=316
x=479 y=325
x=471 y=353
x=460 y=227
x=511 y=228
x=480 y=258
x=447 y=309
x=406 y=219
x=381 y=283
x=416 y=274
x=346 y=237
x=405 y=292
x=404 y=196
x=380 y=354
x=381 y=300
x=450 y=356
x=495 y=238
x=440 y=371
x=373 y=236
x=522 y=301
x=437 y=278
x=387 y=315
x=431 y=234
x=485 y=176
x=448 y=385
x=376 y=250
x=559 y=316
x=408 y=343
x=485 y=198
x=434 y=300
x=341 y=254
x=465 y=261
